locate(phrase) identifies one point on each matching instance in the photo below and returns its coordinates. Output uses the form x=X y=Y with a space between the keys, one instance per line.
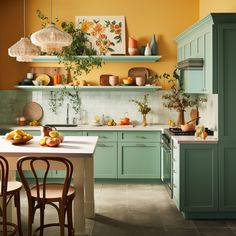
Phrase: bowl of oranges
x=18 y=137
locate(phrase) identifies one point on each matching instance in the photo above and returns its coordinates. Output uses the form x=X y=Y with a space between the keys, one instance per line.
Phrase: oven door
x=166 y=164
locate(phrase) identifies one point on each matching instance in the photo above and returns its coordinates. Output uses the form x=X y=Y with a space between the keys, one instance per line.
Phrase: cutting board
x=194 y=114
x=32 y=111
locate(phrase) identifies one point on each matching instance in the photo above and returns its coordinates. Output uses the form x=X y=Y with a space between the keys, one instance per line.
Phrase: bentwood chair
x=9 y=190
x=43 y=192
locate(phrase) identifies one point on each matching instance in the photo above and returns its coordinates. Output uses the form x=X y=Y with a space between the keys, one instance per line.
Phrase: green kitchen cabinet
x=105 y=156
x=139 y=155
x=195 y=178
x=197 y=42
x=33 y=132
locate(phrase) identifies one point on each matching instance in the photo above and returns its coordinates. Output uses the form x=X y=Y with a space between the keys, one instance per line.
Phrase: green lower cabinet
x=33 y=132
x=139 y=160
x=105 y=160
x=198 y=187
x=227 y=177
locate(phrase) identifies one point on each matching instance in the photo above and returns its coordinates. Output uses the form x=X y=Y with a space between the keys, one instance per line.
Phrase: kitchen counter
x=90 y=127
x=191 y=139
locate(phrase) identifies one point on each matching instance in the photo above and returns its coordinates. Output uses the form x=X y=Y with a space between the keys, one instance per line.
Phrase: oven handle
x=166 y=147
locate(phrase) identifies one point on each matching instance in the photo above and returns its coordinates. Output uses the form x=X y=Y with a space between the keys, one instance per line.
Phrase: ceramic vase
x=154 y=45
x=132 y=47
x=144 y=121
x=147 y=51
x=180 y=120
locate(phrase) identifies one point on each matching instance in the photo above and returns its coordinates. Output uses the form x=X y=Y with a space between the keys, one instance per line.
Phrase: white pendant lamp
x=23 y=49
x=51 y=39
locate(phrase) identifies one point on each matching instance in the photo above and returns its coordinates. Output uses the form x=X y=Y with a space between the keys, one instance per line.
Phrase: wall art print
x=106 y=33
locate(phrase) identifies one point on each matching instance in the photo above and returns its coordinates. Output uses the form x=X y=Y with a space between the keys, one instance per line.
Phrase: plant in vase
x=143 y=108
x=178 y=100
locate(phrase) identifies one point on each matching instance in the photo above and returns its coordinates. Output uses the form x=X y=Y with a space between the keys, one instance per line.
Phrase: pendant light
x=23 y=49
x=51 y=39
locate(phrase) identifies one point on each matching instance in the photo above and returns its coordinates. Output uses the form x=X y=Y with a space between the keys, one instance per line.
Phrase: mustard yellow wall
x=207 y=6
x=143 y=18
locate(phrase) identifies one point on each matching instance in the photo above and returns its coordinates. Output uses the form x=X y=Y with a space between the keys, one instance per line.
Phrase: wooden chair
x=9 y=190
x=43 y=192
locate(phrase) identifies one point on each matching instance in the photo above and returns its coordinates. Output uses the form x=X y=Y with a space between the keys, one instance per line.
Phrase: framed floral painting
x=106 y=33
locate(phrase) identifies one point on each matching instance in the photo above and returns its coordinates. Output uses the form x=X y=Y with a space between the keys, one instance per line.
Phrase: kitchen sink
x=61 y=125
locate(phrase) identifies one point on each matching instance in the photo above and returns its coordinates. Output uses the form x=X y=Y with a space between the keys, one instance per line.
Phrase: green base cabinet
x=195 y=177
x=139 y=155
x=105 y=156
x=105 y=160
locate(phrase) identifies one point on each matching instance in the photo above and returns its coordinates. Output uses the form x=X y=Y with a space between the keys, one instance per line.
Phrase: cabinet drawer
x=71 y=133
x=143 y=136
x=103 y=136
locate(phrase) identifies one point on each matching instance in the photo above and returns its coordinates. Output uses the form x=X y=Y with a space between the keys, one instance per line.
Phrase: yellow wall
x=207 y=6
x=143 y=18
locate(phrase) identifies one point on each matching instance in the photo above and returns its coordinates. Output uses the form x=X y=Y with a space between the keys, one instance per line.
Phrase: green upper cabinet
x=199 y=42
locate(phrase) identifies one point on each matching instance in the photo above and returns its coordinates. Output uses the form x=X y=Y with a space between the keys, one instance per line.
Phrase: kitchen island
x=79 y=150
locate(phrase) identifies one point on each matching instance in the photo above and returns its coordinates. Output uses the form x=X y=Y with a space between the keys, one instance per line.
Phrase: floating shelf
x=91 y=88
x=104 y=58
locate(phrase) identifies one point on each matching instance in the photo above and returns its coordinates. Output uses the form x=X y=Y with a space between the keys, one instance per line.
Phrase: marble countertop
x=192 y=139
x=154 y=127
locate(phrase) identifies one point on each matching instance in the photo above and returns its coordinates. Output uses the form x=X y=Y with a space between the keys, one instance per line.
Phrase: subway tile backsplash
x=111 y=104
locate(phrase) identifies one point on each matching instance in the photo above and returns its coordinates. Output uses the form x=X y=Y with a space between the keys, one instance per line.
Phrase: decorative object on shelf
x=138 y=72
x=113 y=80
x=153 y=45
x=147 y=51
x=23 y=49
x=142 y=50
x=177 y=99
x=132 y=47
x=106 y=33
x=104 y=80
x=140 y=81
x=50 y=39
x=143 y=108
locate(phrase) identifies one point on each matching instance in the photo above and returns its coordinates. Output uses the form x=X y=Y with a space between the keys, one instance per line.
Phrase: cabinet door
x=139 y=136
x=198 y=178
x=227 y=177
x=105 y=160
x=139 y=160
x=103 y=136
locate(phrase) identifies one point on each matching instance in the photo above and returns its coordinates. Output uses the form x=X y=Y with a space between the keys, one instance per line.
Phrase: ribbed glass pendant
x=23 y=49
x=51 y=39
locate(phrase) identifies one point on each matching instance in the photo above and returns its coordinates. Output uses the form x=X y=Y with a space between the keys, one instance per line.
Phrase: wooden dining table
x=79 y=150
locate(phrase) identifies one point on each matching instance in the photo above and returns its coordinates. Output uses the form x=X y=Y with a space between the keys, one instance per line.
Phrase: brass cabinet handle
x=142 y=137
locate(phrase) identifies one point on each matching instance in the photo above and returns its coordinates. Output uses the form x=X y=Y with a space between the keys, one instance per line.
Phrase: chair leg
x=42 y=208
x=62 y=219
x=4 y=216
x=69 y=219
x=30 y=217
x=17 y=205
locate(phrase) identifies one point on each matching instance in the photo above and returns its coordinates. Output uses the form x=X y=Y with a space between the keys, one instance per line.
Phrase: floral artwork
x=106 y=33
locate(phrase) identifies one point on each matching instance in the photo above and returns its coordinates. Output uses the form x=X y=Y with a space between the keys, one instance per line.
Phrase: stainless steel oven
x=166 y=163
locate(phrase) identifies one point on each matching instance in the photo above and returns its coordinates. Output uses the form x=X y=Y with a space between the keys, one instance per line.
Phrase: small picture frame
x=106 y=33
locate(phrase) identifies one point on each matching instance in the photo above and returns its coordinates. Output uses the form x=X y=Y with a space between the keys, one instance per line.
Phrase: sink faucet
x=67 y=114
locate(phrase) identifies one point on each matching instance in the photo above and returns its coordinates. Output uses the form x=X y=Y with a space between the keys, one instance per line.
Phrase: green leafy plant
x=80 y=46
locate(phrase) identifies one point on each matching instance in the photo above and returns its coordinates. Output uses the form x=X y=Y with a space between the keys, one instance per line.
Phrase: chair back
x=4 y=170
x=34 y=164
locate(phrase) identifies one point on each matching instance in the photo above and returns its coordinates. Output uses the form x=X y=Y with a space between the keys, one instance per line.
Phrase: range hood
x=190 y=63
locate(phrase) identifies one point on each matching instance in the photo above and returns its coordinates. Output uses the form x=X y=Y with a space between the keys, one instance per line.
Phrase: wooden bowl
x=187 y=127
x=19 y=141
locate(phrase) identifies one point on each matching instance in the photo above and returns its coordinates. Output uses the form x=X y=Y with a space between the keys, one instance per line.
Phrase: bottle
x=147 y=51
x=154 y=45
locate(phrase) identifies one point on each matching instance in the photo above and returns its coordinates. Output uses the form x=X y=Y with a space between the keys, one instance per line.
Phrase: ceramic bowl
x=187 y=127
x=113 y=80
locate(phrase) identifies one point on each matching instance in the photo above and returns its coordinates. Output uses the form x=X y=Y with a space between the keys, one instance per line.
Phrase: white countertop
x=72 y=145
x=192 y=139
x=153 y=127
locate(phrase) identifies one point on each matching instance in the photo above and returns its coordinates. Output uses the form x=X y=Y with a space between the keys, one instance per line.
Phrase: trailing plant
x=80 y=46
x=57 y=99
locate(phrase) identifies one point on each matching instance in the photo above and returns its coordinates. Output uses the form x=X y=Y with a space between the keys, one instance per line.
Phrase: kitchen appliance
x=166 y=155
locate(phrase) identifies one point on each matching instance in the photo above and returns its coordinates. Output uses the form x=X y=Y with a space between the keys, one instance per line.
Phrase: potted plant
x=143 y=108
x=178 y=100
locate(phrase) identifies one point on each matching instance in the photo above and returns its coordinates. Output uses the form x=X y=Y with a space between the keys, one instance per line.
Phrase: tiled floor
x=141 y=210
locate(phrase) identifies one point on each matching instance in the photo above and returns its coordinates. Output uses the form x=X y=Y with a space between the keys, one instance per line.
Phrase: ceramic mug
x=140 y=81
x=113 y=80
